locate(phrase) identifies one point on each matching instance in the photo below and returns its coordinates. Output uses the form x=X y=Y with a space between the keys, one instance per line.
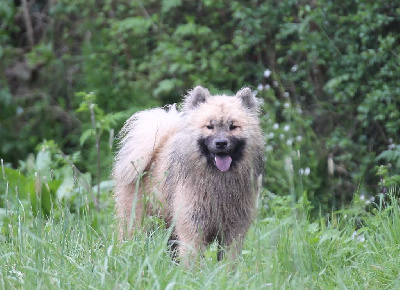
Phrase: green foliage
x=334 y=64
x=30 y=187
x=97 y=123
x=387 y=179
x=327 y=73
x=391 y=156
x=350 y=53
x=80 y=250
x=290 y=155
x=47 y=184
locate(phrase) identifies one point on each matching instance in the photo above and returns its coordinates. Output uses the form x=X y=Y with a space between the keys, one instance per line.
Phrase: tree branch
x=28 y=23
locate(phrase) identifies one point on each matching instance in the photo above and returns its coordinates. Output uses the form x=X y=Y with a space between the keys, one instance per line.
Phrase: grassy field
x=283 y=250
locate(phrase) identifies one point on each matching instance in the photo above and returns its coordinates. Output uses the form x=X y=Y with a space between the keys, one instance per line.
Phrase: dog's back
x=141 y=139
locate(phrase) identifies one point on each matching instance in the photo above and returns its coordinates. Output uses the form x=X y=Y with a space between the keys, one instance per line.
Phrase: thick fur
x=199 y=169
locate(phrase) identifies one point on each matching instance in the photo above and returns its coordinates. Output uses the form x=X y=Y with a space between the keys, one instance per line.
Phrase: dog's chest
x=218 y=207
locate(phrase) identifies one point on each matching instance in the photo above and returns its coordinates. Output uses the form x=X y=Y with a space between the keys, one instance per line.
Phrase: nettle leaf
x=43 y=160
x=16 y=182
x=166 y=86
x=85 y=135
x=67 y=185
x=41 y=194
x=170 y=4
x=105 y=186
x=333 y=84
x=389 y=155
x=40 y=54
x=189 y=29
x=136 y=25
x=76 y=156
x=83 y=107
x=110 y=120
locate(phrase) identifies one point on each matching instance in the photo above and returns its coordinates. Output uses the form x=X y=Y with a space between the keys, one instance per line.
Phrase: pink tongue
x=223 y=162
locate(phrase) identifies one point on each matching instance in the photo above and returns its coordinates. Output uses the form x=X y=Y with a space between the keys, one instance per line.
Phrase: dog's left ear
x=248 y=100
x=195 y=97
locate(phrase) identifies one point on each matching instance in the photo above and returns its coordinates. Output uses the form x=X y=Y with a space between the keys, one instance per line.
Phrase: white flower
x=299 y=138
x=270 y=135
x=281 y=136
x=286 y=105
x=267 y=87
x=267 y=73
x=289 y=142
x=275 y=126
x=269 y=148
x=19 y=110
x=362 y=196
x=275 y=84
x=286 y=95
x=294 y=68
x=17 y=274
x=260 y=87
x=305 y=171
x=286 y=128
x=358 y=237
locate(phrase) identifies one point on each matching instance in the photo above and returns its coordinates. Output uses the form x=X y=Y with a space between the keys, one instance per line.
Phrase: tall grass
x=71 y=250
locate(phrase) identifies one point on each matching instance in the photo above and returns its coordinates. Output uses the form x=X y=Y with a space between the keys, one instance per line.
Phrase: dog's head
x=224 y=124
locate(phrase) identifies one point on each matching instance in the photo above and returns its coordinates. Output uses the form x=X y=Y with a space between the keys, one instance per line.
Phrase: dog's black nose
x=221 y=143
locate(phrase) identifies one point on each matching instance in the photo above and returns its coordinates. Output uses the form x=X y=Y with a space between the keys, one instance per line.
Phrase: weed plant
x=78 y=249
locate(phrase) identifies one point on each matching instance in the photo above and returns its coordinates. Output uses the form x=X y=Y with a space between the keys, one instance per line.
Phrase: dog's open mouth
x=223 y=161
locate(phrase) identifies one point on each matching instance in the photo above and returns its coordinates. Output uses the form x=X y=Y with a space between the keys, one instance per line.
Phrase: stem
x=80 y=175
x=28 y=23
x=91 y=106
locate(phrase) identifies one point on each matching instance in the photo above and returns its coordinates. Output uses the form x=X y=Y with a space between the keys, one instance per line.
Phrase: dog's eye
x=210 y=127
x=232 y=127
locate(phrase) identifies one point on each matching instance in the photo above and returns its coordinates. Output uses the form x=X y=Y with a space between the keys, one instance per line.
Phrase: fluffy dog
x=199 y=169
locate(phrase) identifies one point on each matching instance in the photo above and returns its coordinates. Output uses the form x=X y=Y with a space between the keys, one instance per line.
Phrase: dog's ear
x=248 y=100
x=195 y=97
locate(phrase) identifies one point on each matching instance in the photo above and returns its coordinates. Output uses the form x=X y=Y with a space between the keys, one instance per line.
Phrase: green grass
x=80 y=250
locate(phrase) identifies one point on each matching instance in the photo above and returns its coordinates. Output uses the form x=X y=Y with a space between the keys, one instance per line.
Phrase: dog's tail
x=140 y=138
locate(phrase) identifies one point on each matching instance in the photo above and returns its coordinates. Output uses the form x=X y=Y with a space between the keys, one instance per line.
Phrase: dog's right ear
x=195 y=97
x=248 y=100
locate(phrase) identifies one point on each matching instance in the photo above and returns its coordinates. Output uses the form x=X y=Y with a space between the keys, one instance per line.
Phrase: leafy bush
x=335 y=62
x=345 y=53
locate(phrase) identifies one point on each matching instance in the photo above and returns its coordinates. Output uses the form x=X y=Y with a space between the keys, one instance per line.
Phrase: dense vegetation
x=328 y=73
